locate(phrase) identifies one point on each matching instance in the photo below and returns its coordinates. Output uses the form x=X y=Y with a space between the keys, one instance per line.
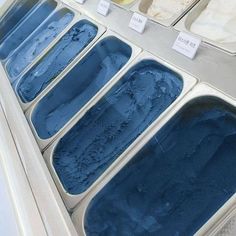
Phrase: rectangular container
x=218 y=220
x=29 y=114
x=13 y=17
x=72 y=200
x=52 y=211
x=185 y=23
x=166 y=22
x=125 y=6
x=38 y=41
x=16 y=29
x=77 y=19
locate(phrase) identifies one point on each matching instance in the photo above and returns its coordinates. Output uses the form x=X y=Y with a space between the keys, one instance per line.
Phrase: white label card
x=138 y=22
x=103 y=7
x=186 y=44
x=80 y=1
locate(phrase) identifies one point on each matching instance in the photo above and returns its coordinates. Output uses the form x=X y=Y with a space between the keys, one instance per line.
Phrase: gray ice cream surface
x=56 y=60
x=177 y=181
x=97 y=140
x=70 y=94
x=20 y=22
x=37 y=42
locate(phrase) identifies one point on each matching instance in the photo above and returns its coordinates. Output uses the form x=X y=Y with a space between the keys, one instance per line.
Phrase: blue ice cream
x=22 y=19
x=56 y=60
x=181 y=177
x=63 y=101
x=38 y=41
x=101 y=136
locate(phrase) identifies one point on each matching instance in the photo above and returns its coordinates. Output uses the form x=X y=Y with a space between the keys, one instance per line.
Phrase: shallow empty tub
x=177 y=181
x=38 y=41
x=68 y=96
x=56 y=60
x=20 y=21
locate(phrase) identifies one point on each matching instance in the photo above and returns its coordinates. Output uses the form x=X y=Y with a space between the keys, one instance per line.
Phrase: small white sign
x=103 y=7
x=187 y=44
x=80 y=1
x=138 y=22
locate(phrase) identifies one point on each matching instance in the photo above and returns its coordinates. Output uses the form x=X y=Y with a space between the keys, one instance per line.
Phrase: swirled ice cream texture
x=165 y=9
x=22 y=19
x=217 y=21
x=56 y=60
x=37 y=43
x=181 y=177
x=94 y=70
x=93 y=144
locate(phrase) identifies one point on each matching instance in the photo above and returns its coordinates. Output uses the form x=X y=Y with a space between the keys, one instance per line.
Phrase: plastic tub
x=67 y=97
x=56 y=60
x=22 y=19
x=38 y=41
x=177 y=181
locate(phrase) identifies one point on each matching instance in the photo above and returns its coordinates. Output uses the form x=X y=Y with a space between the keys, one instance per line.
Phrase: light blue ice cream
x=93 y=144
x=56 y=60
x=179 y=179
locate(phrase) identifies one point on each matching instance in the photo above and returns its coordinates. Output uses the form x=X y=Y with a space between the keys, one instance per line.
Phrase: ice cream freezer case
x=111 y=131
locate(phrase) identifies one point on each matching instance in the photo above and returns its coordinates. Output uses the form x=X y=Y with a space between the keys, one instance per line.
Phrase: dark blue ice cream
x=93 y=144
x=56 y=60
x=22 y=19
x=79 y=86
x=179 y=179
x=38 y=41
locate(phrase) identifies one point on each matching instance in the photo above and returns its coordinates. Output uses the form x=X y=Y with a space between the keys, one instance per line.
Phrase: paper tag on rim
x=186 y=44
x=138 y=22
x=103 y=7
x=80 y=1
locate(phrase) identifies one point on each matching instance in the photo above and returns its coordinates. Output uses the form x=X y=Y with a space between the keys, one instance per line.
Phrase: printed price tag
x=80 y=1
x=187 y=45
x=138 y=22
x=103 y=7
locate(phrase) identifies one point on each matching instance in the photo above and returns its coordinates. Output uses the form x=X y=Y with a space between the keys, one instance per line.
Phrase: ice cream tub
x=177 y=180
x=214 y=22
x=17 y=29
x=165 y=12
x=71 y=46
x=78 y=86
x=13 y=17
x=127 y=4
x=227 y=225
x=38 y=41
x=90 y=148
